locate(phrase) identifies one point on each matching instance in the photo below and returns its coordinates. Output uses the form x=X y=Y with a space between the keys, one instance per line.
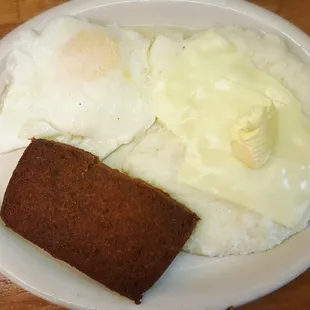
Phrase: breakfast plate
x=193 y=281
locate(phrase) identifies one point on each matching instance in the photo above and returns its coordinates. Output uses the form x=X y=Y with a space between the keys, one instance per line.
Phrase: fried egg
x=78 y=83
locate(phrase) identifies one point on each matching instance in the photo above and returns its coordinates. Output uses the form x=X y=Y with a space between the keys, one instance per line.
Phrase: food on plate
x=216 y=118
x=246 y=137
x=120 y=231
x=78 y=83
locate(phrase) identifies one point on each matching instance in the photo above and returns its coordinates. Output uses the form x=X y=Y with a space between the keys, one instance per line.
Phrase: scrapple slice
x=119 y=231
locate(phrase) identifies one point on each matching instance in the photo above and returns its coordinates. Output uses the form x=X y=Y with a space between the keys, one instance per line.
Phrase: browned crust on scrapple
x=117 y=230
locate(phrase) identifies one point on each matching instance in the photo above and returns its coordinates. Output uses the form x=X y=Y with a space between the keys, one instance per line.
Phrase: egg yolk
x=89 y=55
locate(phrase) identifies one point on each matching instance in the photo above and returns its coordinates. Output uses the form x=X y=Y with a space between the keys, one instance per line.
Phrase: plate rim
x=254 y=11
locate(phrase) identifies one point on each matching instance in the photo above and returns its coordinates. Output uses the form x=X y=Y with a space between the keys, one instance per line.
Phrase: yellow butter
x=254 y=136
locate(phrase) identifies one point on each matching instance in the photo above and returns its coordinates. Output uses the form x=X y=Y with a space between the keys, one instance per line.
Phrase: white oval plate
x=192 y=282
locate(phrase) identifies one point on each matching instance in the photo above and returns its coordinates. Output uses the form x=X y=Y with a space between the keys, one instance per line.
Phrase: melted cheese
x=202 y=95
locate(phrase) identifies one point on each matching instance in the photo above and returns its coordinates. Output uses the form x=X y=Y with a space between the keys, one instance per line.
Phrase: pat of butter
x=202 y=95
x=254 y=136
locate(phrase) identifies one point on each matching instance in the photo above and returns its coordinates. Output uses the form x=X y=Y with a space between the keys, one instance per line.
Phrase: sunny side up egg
x=79 y=83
